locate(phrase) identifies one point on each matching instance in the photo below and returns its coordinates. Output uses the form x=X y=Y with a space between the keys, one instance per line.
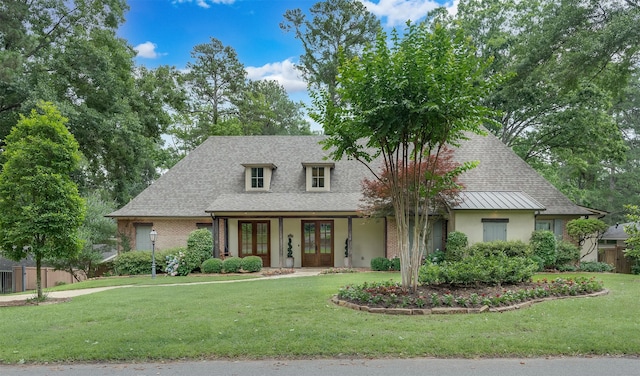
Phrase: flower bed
x=390 y=294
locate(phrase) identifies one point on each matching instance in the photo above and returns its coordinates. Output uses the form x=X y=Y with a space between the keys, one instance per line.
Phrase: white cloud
x=147 y=50
x=397 y=12
x=283 y=72
x=204 y=3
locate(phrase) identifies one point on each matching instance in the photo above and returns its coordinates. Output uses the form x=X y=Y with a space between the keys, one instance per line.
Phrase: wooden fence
x=615 y=257
x=49 y=278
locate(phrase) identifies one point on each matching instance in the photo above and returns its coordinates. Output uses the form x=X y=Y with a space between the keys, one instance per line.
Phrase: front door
x=317 y=244
x=254 y=240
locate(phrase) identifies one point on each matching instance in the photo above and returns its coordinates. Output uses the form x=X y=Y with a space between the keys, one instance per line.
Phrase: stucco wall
x=519 y=227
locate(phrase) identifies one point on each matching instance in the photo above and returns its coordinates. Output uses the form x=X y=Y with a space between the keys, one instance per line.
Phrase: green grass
x=146 y=280
x=293 y=317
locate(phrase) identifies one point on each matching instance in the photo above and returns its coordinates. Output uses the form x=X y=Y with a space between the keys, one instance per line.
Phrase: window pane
x=257 y=177
x=325 y=238
x=317 y=177
x=309 y=238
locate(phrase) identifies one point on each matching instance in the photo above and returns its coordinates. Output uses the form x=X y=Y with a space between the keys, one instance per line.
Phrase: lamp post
x=153 y=235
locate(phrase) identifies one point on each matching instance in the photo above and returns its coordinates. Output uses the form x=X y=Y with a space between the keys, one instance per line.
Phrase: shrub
x=394 y=264
x=380 y=264
x=200 y=242
x=543 y=244
x=231 y=265
x=251 y=264
x=180 y=261
x=568 y=253
x=133 y=263
x=597 y=267
x=212 y=265
x=436 y=257
x=479 y=269
x=512 y=248
x=457 y=243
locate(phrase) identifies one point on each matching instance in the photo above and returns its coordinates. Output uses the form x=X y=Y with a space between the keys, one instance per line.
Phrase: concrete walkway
x=73 y=293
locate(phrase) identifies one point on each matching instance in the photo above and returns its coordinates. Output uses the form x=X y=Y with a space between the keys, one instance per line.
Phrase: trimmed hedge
x=511 y=248
x=133 y=263
x=212 y=265
x=479 y=269
x=231 y=265
x=595 y=267
x=251 y=264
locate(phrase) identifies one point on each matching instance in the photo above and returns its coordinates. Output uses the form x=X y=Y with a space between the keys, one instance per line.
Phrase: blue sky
x=163 y=32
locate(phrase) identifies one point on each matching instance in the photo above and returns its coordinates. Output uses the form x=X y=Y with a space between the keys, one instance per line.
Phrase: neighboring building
x=255 y=191
x=611 y=246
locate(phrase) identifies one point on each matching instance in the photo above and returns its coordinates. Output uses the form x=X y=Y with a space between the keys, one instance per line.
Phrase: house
x=256 y=192
x=611 y=246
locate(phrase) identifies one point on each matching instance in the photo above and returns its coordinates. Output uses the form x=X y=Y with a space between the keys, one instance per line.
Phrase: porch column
x=349 y=239
x=281 y=238
x=215 y=233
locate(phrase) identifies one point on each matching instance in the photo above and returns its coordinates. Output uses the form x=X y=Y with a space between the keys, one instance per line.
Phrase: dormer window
x=318 y=176
x=258 y=176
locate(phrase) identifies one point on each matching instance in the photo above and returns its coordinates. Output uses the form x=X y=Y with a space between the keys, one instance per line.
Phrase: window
x=317 y=177
x=494 y=229
x=553 y=225
x=257 y=177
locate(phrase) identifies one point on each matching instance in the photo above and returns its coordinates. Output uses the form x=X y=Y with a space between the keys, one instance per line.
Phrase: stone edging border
x=455 y=310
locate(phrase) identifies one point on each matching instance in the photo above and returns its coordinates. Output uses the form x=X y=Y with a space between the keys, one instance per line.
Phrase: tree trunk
x=39 y=277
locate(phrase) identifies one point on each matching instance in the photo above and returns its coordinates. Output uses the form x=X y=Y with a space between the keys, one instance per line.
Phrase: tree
x=405 y=103
x=633 y=240
x=68 y=53
x=98 y=235
x=336 y=25
x=214 y=80
x=566 y=61
x=264 y=108
x=441 y=179
x=40 y=205
x=583 y=230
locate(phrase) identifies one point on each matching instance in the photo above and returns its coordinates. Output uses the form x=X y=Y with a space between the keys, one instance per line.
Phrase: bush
x=394 y=264
x=568 y=254
x=380 y=264
x=251 y=264
x=457 y=243
x=479 y=269
x=512 y=248
x=212 y=265
x=231 y=265
x=597 y=267
x=133 y=263
x=180 y=261
x=543 y=244
x=200 y=242
x=436 y=257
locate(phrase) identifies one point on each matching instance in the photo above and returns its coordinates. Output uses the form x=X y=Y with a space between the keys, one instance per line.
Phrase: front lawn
x=292 y=317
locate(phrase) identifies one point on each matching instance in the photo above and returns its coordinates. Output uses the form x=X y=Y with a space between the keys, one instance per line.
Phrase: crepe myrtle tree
x=405 y=103
x=40 y=204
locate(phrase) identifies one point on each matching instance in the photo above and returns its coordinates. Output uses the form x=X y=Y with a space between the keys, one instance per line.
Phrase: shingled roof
x=211 y=178
x=501 y=169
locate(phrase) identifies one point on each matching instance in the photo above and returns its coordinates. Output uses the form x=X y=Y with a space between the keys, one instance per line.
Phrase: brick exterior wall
x=392 y=239
x=172 y=232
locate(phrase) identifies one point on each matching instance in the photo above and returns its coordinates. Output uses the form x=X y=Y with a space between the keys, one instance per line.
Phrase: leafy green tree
x=633 y=240
x=405 y=103
x=68 y=53
x=41 y=208
x=566 y=60
x=98 y=235
x=264 y=108
x=336 y=25
x=583 y=230
x=215 y=78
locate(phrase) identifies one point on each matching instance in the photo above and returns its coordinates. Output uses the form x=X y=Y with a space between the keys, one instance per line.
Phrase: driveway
x=597 y=366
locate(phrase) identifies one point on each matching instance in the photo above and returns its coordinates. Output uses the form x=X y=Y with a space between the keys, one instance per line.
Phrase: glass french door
x=317 y=243
x=254 y=240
